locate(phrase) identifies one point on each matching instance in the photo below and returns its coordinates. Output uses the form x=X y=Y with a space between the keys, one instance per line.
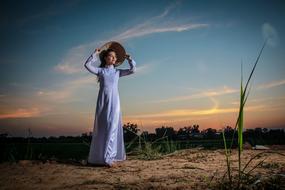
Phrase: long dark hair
x=104 y=54
x=102 y=57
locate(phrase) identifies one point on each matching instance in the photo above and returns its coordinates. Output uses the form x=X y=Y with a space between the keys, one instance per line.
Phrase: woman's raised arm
x=91 y=63
x=131 y=70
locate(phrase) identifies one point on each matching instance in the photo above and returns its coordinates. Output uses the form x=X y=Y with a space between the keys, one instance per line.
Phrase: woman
x=107 y=145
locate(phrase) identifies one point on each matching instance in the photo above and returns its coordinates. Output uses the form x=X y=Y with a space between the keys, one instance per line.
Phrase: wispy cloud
x=143 y=68
x=191 y=112
x=41 y=102
x=262 y=100
x=145 y=29
x=75 y=57
x=65 y=91
x=217 y=92
x=22 y=113
x=271 y=34
x=271 y=84
x=158 y=24
x=208 y=93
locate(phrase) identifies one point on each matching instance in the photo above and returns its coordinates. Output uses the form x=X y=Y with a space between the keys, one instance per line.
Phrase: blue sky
x=188 y=55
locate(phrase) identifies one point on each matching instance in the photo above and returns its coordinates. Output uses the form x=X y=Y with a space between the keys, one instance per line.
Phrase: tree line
x=186 y=133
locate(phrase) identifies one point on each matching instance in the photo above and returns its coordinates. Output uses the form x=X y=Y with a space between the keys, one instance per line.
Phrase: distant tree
x=264 y=130
x=258 y=131
x=84 y=135
x=130 y=131
x=195 y=129
x=184 y=133
x=145 y=135
x=209 y=133
x=229 y=131
x=3 y=135
x=165 y=131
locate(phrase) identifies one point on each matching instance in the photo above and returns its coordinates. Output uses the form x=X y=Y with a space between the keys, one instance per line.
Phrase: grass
x=227 y=159
x=151 y=150
x=244 y=179
x=29 y=150
x=239 y=125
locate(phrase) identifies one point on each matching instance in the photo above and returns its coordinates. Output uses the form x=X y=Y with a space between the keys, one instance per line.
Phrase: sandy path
x=184 y=169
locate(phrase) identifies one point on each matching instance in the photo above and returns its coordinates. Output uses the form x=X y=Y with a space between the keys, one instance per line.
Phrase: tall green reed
x=240 y=122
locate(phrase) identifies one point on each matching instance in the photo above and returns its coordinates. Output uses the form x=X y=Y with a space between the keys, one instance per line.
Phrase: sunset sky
x=188 y=56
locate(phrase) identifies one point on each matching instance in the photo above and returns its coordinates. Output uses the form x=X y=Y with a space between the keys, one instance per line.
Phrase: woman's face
x=111 y=58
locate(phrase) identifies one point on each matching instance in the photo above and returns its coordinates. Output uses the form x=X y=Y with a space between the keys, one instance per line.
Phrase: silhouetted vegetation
x=77 y=147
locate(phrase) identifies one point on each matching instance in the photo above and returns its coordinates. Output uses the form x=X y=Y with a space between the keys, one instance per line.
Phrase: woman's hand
x=97 y=50
x=128 y=57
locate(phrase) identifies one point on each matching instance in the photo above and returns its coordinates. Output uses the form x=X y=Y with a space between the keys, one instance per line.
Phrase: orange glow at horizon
x=49 y=113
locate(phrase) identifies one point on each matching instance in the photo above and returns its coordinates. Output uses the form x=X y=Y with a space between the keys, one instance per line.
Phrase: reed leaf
x=245 y=89
x=227 y=158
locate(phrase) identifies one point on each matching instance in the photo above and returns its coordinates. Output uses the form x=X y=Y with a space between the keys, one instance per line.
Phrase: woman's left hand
x=128 y=57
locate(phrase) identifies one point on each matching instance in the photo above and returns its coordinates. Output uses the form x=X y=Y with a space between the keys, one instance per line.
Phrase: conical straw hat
x=117 y=47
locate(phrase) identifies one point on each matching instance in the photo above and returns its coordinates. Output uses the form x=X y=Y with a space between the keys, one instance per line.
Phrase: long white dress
x=107 y=144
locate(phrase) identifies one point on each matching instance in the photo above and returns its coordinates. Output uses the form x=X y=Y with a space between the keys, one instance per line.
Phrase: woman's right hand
x=97 y=50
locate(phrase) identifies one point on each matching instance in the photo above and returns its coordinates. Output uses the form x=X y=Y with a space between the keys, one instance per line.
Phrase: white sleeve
x=91 y=63
x=131 y=70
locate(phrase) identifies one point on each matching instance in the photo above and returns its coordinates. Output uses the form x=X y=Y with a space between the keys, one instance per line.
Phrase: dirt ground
x=183 y=169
